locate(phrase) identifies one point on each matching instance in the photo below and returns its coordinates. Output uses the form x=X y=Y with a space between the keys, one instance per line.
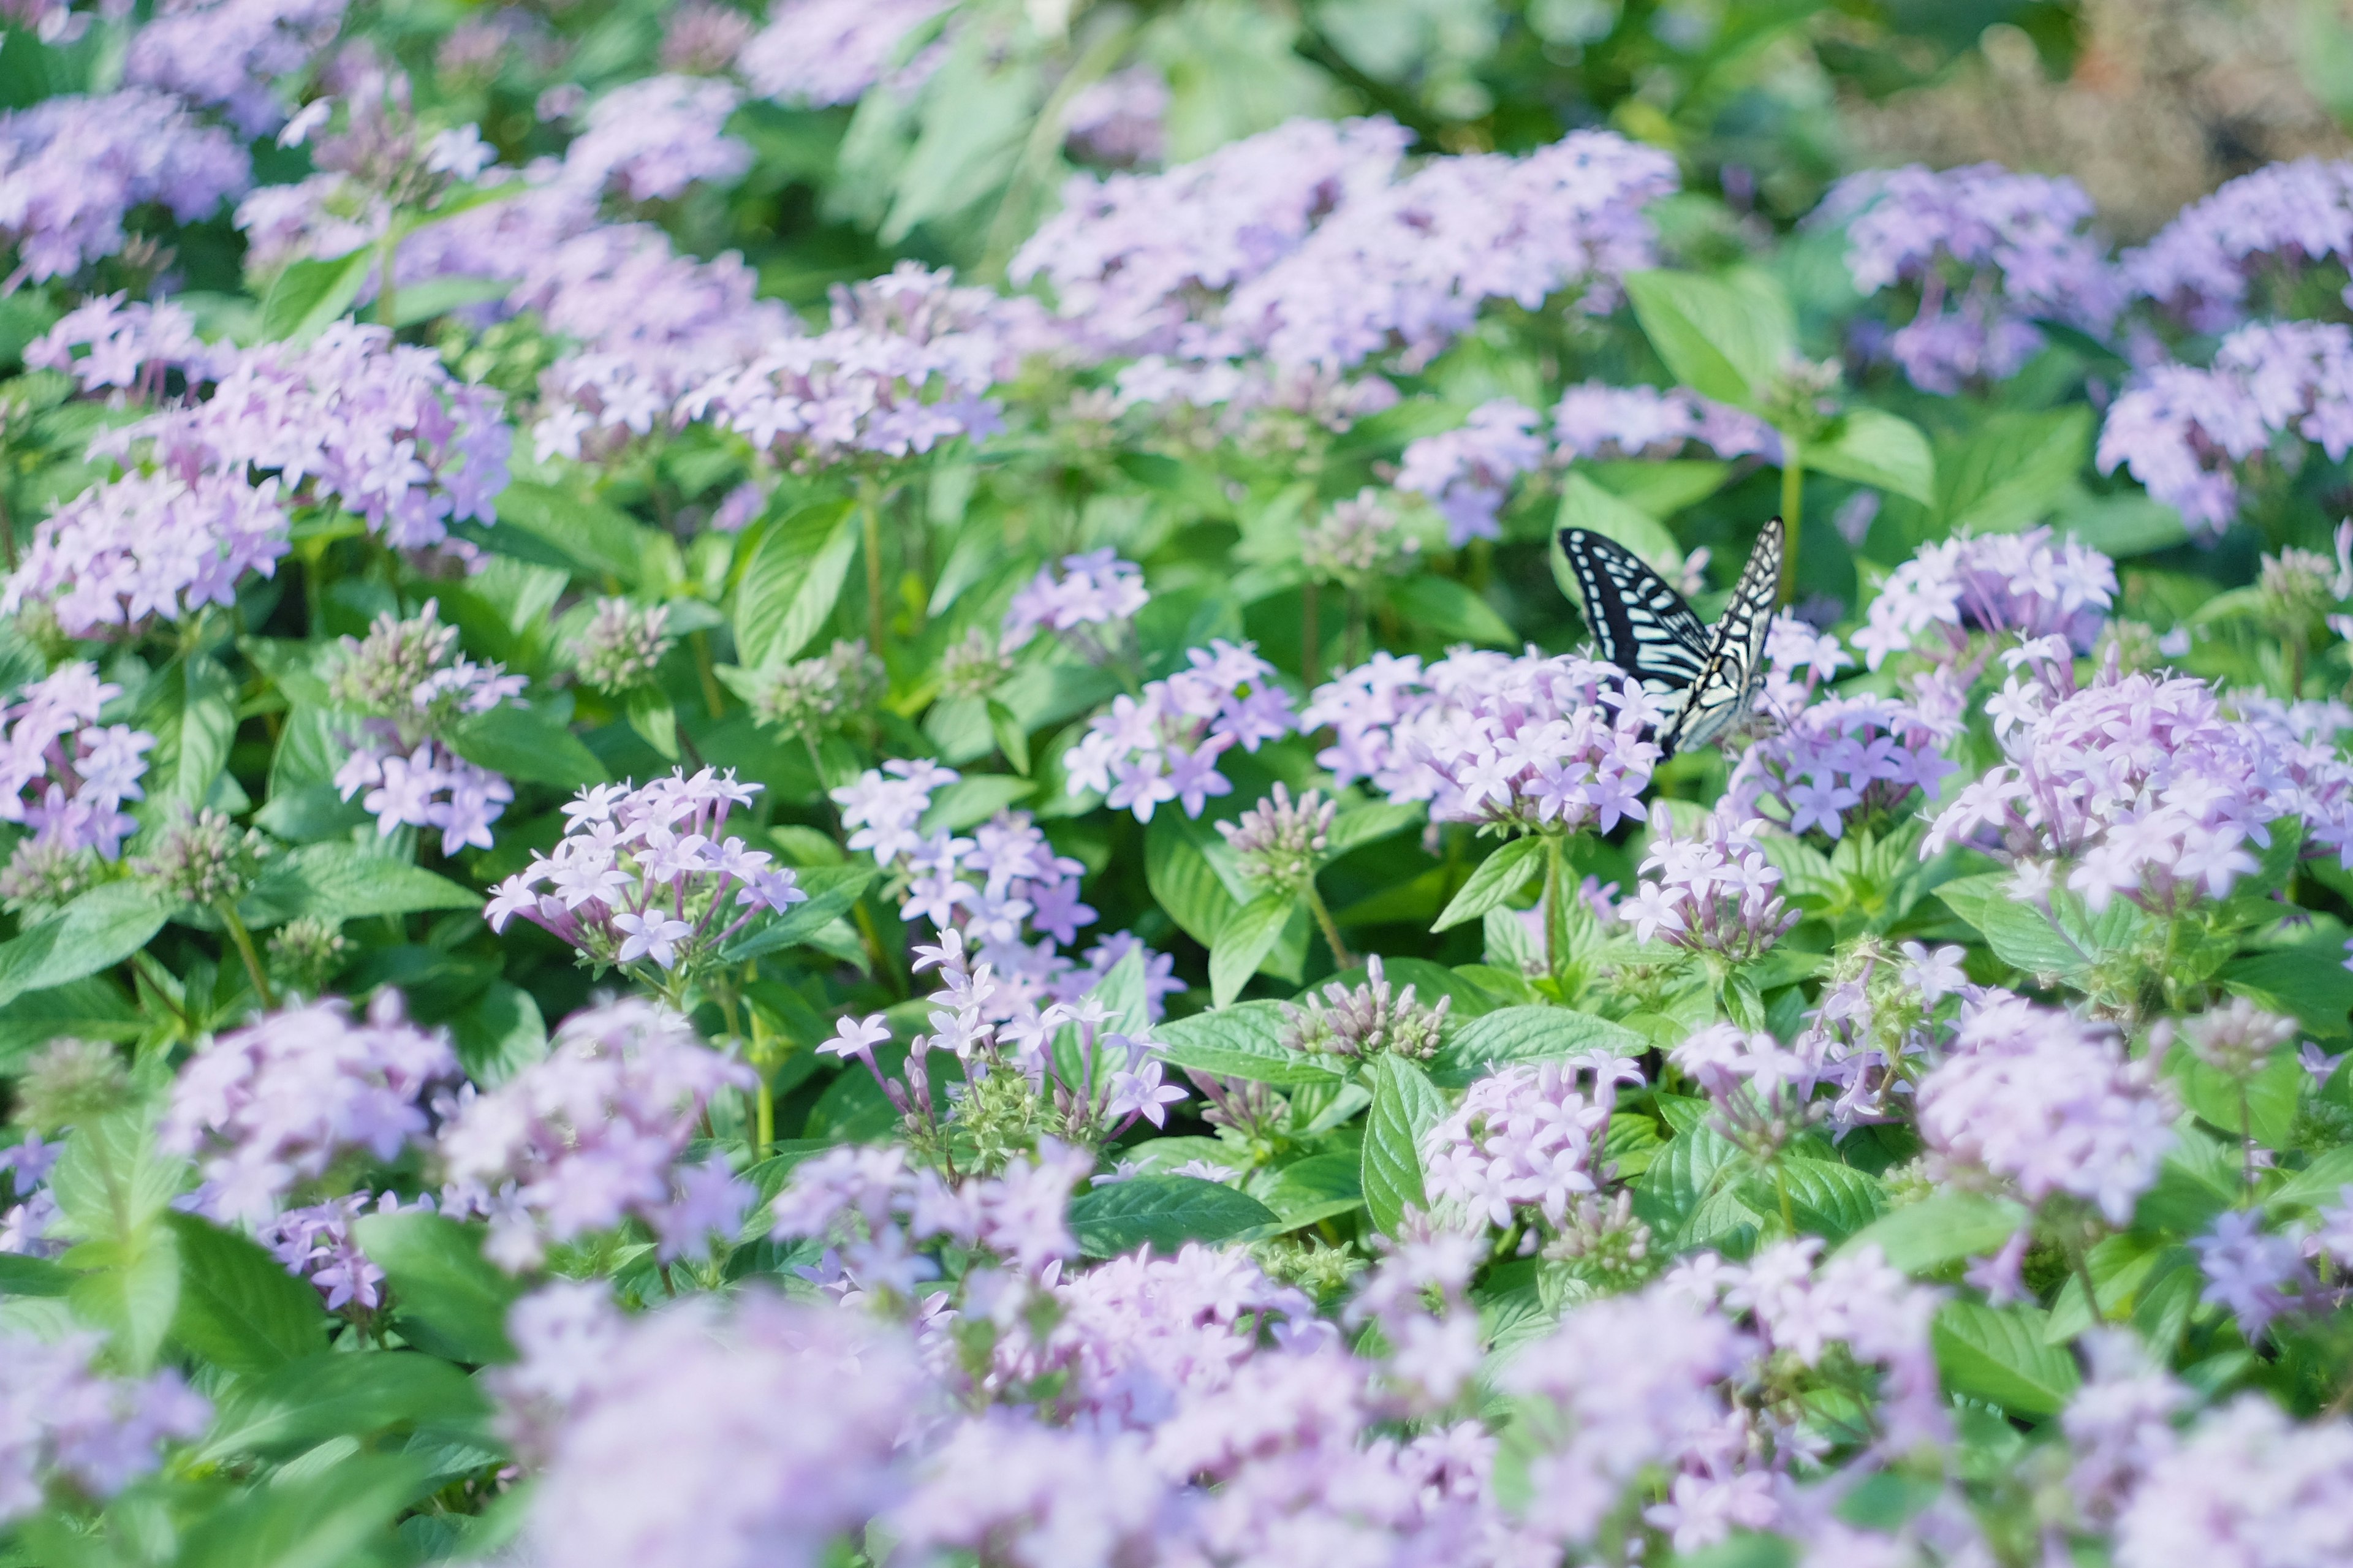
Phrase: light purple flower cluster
x=315 y=1243
x=876 y=1213
x=591 y=1135
x=2049 y=1103
x=1989 y=251
x=410 y=684
x=2180 y=431
x=652 y=137
x=772 y=1429
x=823 y=52
x=1164 y=743
x=1300 y=246
x=1118 y=121
x=2253 y=1274
x=1595 y=419
x=1528 y=1135
x=1467 y=472
x=643 y=876
x=1835 y=762
x=71 y=169
x=229 y=54
x=148 y=546
x=2022 y=584
x=60 y=1417
x=2246 y=1485
x=26 y=1226
x=62 y=773
x=278 y=1102
x=1096 y=589
x=1715 y=893
x=2145 y=786
x=132 y=345
x=1528 y=743
x=2200 y=265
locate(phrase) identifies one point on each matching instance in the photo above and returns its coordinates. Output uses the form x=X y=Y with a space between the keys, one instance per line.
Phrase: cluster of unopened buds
x=645 y=876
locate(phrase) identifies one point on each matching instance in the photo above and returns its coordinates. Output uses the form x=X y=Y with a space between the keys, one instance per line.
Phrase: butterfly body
x=1705 y=678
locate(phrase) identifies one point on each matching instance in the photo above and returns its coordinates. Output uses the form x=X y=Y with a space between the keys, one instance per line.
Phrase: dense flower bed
x=816 y=788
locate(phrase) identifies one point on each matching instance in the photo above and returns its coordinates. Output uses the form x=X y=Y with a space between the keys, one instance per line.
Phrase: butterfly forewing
x=1639 y=622
x=1725 y=689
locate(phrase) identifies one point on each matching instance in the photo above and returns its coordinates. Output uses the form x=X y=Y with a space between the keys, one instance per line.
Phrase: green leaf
x=1244 y=1041
x=1165 y=1211
x=1586 y=505
x=326 y=1517
x=1363 y=824
x=344 y=883
x=1244 y=942
x=2267 y=1108
x=586 y=536
x=499 y=1034
x=1942 y=1228
x=2012 y=470
x=239 y=1308
x=22 y=1276
x=1192 y=875
x=110 y=1182
x=527 y=744
x=309 y=294
x=1726 y=337
x=97 y=931
x=91 y=1008
x=2023 y=936
x=1874 y=448
x=1316 y=1188
x=973 y=800
x=1406 y=1106
x=1997 y=1355
x=2309 y=980
x=339 y=1394
x=831 y=890
x=1451 y=610
x=1493 y=882
x=422 y=302
x=791 y=581
x=447 y=1297
x=655 y=721
x=130 y=1289
x=1530 y=1033
x=2317 y=1184
x=1828 y=1197
x=1005 y=727
x=192 y=715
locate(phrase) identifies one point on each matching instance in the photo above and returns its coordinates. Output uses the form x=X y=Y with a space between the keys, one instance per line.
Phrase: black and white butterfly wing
x=1639 y=622
x=1724 y=690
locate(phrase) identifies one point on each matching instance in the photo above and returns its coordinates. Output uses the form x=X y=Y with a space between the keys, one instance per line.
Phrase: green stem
x=1311 y=635
x=1556 y=905
x=1792 y=512
x=1340 y=959
x=712 y=699
x=1793 y=508
x=870 y=519
x=244 y=940
x=387 y=310
x=1012 y=219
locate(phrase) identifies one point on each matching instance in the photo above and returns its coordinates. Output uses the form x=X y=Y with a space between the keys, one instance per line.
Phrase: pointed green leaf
x=792 y=580
x=1165 y=1211
x=1406 y=1106
x=1244 y=942
x=1496 y=880
x=238 y=1307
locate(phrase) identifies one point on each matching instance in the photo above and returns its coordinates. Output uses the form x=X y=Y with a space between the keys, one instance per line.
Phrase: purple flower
x=315 y=1243
x=1097 y=589
x=62 y=773
x=276 y=1103
x=1595 y=419
x=71 y=169
x=2016 y=583
x=63 y=1420
x=1117 y=121
x=1835 y=762
x=821 y=52
x=1144 y=748
x=592 y=1135
x=2291 y=215
x=1715 y=893
x=2254 y=1275
x=132 y=345
x=1528 y=1135
x=652 y=137
x=231 y=52
x=1467 y=473
x=148 y=546
x=1989 y=251
x=2048 y=1102
x=412 y=685
x=2246 y=1485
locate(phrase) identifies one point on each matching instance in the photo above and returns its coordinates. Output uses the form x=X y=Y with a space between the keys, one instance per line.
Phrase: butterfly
x=1706 y=679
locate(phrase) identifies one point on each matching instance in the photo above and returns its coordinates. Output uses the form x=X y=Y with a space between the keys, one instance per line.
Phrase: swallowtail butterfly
x=1705 y=678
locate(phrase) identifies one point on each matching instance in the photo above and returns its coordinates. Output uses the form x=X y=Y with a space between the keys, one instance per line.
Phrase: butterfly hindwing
x=1639 y=622
x=1725 y=689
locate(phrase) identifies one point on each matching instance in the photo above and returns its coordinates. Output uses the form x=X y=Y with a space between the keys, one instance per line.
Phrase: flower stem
x=870 y=519
x=1556 y=905
x=1311 y=635
x=244 y=940
x=1793 y=506
x=1340 y=957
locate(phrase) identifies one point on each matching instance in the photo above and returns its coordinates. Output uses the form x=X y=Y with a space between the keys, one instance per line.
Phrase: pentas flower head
x=2048 y=1104
x=411 y=686
x=62 y=773
x=2120 y=1422
x=61 y=1419
x=1354 y=541
x=1522 y=743
x=2246 y=1485
x=267 y=1107
x=1118 y=121
x=1835 y=762
x=1095 y=589
x=825 y=52
x=315 y=1243
x=148 y=547
x=591 y=1135
x=230 y=54
x=2288 y=215
x=703 y=40
x=650 y=138
x=1714 y=893
x=1467 y=473
x=2182 y=431
x=2144 y=786
x=72 y=168
x=2253 y=1275
x=622 y=646
x=773 y=1429
x=876 y=1212
x=1990 y=252
x=1527 y=1136
x=132 y=345
x=1595 y=419
x=1366 y=1020
x=1164 y=743
x=644 y=877
x=2016 y=583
